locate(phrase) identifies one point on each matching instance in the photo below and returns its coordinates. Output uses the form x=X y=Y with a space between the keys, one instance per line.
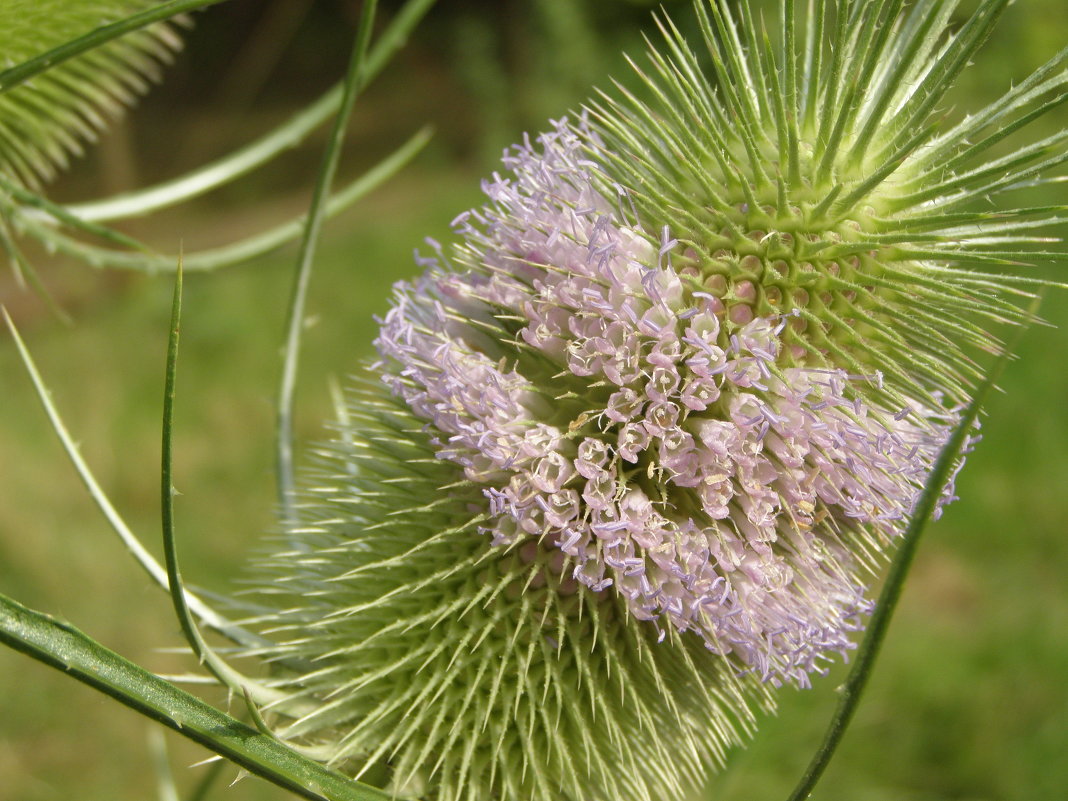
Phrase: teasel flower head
x=639 y=440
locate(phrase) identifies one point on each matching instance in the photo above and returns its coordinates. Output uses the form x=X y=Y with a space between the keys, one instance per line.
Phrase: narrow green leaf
x=928 y=46
x=761 y=90
x=355 y=78
x=694 y=86
x=793 y=129
x=735 y=66
x=833 y=84
x=735 y=83
x=63 y=647
x=971 y=151
x=829 y=149
x=133 y=544
x=63 y=215
x=935 y=83
x=918 y=29
x=1050 y=77
x=964 y=189
x=766 y=63
x=789 y=52
x=670 y=149
x=205 y=654
x=872 y=33
x=175 y=585
x=167 y=491
x=813 y=65
x=930 y=222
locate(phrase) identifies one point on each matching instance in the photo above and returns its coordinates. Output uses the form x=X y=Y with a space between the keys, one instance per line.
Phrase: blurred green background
x=970 y=699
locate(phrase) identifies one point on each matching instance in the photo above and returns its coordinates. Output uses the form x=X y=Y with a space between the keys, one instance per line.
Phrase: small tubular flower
x=641 y=437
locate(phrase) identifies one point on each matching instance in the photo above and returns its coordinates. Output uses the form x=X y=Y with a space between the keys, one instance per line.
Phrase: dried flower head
x=655 y=418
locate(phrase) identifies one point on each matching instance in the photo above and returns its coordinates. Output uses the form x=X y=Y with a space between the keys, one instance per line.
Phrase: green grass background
x=969 y=701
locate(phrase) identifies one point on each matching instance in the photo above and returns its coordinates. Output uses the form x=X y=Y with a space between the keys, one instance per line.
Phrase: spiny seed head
x=417 y=652
x=636 y=443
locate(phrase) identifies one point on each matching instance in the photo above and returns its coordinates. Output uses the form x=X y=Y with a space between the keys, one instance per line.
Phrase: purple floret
x=666 y=444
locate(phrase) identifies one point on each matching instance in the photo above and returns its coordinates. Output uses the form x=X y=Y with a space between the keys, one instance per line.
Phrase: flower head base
x=644 y=431
x=469 y=670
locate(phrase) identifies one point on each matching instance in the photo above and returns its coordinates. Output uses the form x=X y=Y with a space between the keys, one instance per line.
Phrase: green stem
x=355 y=77
x=167 y=491
x=857 y=680
x=235 y=252
x=20 y=73
x=286 y=136
x=63 y=647
x=130 y=540
x=226 y=674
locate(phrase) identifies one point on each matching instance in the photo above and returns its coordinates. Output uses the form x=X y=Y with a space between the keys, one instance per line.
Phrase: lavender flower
x=664 y=437
x=640 y=438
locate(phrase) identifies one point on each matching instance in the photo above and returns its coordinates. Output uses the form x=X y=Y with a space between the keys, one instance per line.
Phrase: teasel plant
x=84 y=62
x=641 y=441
